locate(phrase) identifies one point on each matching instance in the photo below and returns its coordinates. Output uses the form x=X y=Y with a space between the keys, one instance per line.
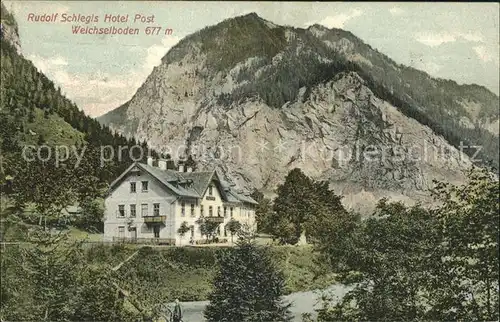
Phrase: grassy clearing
x=53 y=129
x=78 y=234
x=300 y=269
x=186 y=273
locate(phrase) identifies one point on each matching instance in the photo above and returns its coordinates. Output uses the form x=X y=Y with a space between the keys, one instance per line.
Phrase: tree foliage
x=47 y=280
x=30 y=100
x=33 y=111
x=416 y=263
x=299 y=202
x=234 y=227
x=48 y=187
x=264 y=216
x=247 y=287
x=208 y=228
x=469 y=221
x=183 y=229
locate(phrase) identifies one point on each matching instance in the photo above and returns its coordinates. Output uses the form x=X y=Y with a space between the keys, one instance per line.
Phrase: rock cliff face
x=9 y=30
x=257 y=106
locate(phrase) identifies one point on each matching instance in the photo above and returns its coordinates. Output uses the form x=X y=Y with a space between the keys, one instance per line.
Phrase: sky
x=458 y=41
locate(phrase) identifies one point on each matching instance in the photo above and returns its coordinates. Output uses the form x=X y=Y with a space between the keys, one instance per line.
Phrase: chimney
x=150 y=161
x=181 y=167
x=162 y=164
x=189 y=169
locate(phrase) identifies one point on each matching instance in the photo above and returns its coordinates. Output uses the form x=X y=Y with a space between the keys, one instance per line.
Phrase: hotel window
x=183 y=209
x=210 y=211
x=225 y=211
x=201 y=210
x=121 y=231
x=132 y=187
x=231 y=210
x=192 y=210
x=132 y=210
x=156 y=209
x=210 y=190
x=218 y=211
x=144 y=210
x=144 y=186
x=121 y=210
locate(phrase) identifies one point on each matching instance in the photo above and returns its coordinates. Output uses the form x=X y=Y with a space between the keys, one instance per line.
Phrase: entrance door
x=156 y=231
x=121 y=231
x=133 y=233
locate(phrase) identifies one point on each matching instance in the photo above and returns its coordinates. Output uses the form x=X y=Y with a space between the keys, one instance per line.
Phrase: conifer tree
x=247 y=287
x=50 y=269
x=48 y=280
x=46 y=186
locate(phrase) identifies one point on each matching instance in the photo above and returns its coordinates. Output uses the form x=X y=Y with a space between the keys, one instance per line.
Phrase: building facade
x=150 y=203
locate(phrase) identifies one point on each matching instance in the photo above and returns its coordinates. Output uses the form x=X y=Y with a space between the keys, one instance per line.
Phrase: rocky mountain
x=9 y=30
x=256 y=99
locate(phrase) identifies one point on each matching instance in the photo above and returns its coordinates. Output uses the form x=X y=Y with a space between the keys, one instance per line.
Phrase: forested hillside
x=460 y=113
x=34 y=111
x=463 y=114
x=77 y=156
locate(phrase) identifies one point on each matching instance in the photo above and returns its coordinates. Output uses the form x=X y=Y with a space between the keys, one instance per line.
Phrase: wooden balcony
x=218 y=219
x=155 y=219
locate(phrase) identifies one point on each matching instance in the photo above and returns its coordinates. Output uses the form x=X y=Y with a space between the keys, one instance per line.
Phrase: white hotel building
x=149 y=203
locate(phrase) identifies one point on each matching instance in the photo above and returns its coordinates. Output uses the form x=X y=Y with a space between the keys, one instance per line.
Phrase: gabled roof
x=167 y=178
x=201 y=180
x=171 y=180
x=245 y=198
x=231 y=197
x=187 y=184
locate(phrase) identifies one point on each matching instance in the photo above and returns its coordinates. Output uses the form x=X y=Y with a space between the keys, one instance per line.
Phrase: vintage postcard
x=249 y=161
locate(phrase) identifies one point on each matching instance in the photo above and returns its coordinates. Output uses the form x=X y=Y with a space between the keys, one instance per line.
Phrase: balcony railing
x=218 y=219
x=154 y=219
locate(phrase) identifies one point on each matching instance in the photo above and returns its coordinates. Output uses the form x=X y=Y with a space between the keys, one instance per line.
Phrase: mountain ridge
x=440 y=79
x=256 y=17
x=212 y=91
x=488 y=113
